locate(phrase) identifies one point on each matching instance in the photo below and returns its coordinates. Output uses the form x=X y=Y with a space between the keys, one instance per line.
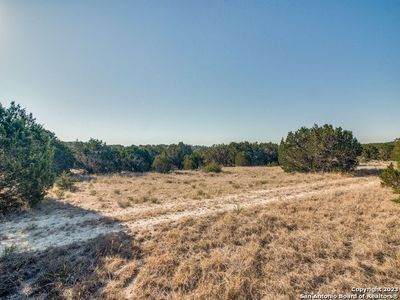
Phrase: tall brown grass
x=321 y=244
x=324 y=245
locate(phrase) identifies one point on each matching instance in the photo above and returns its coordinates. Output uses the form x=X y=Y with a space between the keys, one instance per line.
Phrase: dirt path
x=131 y=213
x=56 y=224
x=247 y=201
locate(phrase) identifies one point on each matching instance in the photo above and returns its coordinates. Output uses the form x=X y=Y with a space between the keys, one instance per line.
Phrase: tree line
x=31 y=157
x=379 y=151
x=390 y=177
x=96 y=156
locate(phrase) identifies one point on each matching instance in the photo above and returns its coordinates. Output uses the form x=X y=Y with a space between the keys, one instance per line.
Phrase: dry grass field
x=247 y=233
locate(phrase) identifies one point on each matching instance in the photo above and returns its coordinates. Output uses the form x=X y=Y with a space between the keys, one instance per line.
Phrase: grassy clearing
x=106 y=193
x=319 y=244
x=277 y=252
x=95 y=269
x=322 y=242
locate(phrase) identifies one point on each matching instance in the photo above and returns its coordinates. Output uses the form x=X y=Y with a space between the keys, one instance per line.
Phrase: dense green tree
x=379 y=151
x=315 y=149
x=396 y=151
x=63 y=159
x=244 y=153
x=221 y=153
x=370 y=152
x=26 y=154
x=386 y=151
x=242 y=159
x=264 y=154
x=96 y=157
x=176 y=154
x=162 y=163
x=192 y=161
x=154 y=150
x=133 y=159
x=212 y=167
x=390 y=177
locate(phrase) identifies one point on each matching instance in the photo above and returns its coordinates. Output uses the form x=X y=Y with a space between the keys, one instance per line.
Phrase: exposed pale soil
x=79 y=217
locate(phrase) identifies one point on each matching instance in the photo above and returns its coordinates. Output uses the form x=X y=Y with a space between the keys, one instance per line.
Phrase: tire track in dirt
x=129 y=213
x=61 y=226
x=248 y=202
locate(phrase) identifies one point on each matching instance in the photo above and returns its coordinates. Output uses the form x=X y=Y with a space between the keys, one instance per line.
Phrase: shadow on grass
x=57 y=247
x=82 y=268
x=364 y=172
x=52 y=223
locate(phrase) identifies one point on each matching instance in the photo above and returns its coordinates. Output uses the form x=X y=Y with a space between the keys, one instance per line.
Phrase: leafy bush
x=66 y=181
x=266 y=154
x=223 y=154
x=390 y=177
x=63 y=159
x=212 y=167
x=370 y=152
x=188 y=163
x=173 y=156
x=378 y=151
x=244 y=153
x=95 y=157
x=315 y=149
x=133 y=159
x=26 y=154
x=192 y=161
x=242 y=159
x=396 y=151
x=176 y=154
x=162 y=164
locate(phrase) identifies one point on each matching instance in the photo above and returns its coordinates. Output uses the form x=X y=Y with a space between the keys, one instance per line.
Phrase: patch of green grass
x=9 y=250
x=201 y=194
x=212 y=167
x=236 y=186
x=262 y=182
x=397 y=200
x=143 y=199
x=64 y=273
x=149 y=198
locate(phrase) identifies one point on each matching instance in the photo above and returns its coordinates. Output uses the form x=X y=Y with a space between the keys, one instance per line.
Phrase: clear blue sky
x=202 y=72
